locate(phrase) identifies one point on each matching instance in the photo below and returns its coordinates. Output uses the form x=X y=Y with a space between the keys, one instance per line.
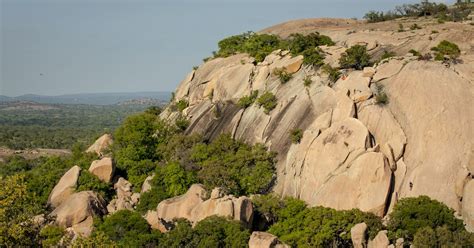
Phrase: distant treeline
x=460 y=11
x=62 y=126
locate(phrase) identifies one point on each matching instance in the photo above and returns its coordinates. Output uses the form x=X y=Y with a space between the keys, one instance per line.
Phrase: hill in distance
x=90 y=98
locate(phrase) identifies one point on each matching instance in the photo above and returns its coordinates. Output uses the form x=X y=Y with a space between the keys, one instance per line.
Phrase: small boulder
x=146 y=186
x=265 y=240
x=125 y=198
x=101 y=144
x=358 y=233
x=65 y=187
x=380 y=241
x=103 y=169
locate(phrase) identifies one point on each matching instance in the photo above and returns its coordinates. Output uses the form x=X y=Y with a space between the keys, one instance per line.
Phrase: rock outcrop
x=265 y=240
x=103 y=169
x=194 y=206
x=65 y=187
x=101 y=145
x=79 y=210
x=369 y=154
x=125 y=197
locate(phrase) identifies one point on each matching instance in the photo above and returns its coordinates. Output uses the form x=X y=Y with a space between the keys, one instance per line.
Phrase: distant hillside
x=91 y=98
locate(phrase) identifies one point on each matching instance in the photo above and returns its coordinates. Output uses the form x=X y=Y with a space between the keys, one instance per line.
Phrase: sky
x=53 y=47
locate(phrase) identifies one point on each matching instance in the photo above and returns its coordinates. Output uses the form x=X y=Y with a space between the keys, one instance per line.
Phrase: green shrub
x=128 y=229
x=411 y=214
x=273 y=209
x=246 y=101
x=283 y=75
x=313 y=57
x=256 y=45
x=87 y=181
x=355 y=57
x=322 y=227
x=182 y=123
x=401 y=28
x=51 y=235
x=307 y=81
x=211 y=232
x=381 y=98
x=415 y=52
x=414 y=27
x=308 y=46
x=442 y=237
x=333 y=73
x=238 y=168
x=446 y=48
x=296 y=135
x=387 y=54
x=169 y=181
x=182 y=104
x=268 y=101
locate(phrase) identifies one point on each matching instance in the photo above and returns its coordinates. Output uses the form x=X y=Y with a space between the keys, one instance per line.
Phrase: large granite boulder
x=103 y=169
x=194 y=206
x=65 y=187
x=79 y=210
x=380 y=241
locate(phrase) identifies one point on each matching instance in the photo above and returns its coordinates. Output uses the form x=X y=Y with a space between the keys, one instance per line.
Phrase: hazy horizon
x=56 y=47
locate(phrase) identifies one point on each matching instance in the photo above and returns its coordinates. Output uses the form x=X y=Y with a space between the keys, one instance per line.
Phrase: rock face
x=265 y=240
x=101 y=144
x=78 y=211
x=125 y=198
x=65 y=187
x=103 y=169
x=194 y=207
x=358 y=233
x=468 y=206
x=366 y=153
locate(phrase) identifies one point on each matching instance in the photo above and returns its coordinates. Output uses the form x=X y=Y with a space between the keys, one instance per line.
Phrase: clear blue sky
x=53 y=47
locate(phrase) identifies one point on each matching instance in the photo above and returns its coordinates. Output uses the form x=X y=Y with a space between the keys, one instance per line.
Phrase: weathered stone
x=368 y=72
x=78 y=208
x=146 y=186
x=101 y=144
x=125 y=198
x=399 y=243
x=103 y=169
x=265 y=240
x=358 y=233
x=193 y=206
x=468 y=205
x=380 y=241
x=364 y=185
x=387 y=70
x=65 y=187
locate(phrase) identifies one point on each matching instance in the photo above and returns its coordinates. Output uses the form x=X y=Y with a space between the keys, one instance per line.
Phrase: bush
x=414 y=27
x=387 y=54
x=169 y=181
x=51 y=235
x=211 y=232
x=307 y=81
x=355 y=57
x=282 y=74
x=256 y=45
x=308 y=46
x=415 y=52
x=182 y=104
x=412 y=214
x=128 y=229
x=322 y=227
x=442 y=237
x=182 y=123
x=246 y=101
x=296 y=135
x=238 y=168
x=333 y=73
x=268 y=101
x=87 y=181
x=381 y=98
x=446 y=48
x=273 y=209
